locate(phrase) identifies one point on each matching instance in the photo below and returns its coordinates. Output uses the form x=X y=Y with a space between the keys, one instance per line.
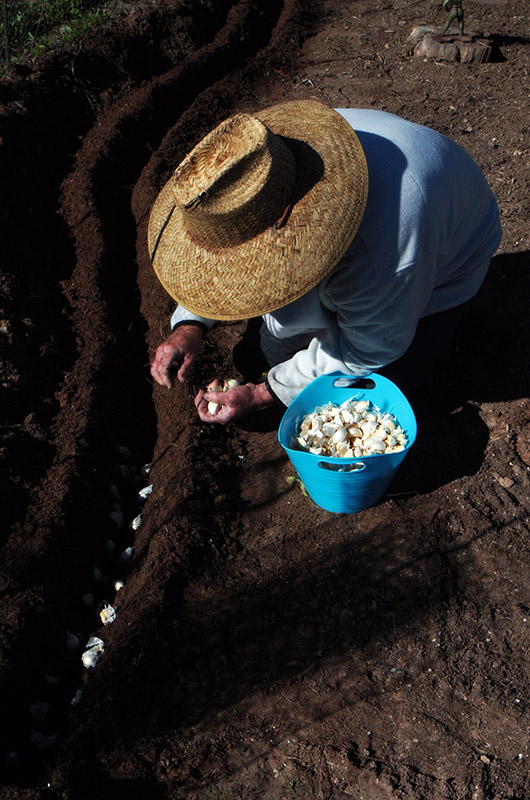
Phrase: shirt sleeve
x=181 y=315
x=373 y=323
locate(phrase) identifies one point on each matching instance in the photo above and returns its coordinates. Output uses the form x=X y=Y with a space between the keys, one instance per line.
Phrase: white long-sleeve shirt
x=430 y=228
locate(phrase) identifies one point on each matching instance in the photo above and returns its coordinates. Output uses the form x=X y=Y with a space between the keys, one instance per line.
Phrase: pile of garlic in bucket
x=351 y=430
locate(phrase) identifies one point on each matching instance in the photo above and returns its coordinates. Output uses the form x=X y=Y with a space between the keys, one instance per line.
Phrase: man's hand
x=176 y=354
x=233 y=403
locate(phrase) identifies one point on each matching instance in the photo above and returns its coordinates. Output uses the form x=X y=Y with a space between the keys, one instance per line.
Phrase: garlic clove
x=72 y=641
x=376 y=446
x=368 y=427
x=43 y=742
x=340 y=435
x=91 y=657
x=124 y=471
x=76 y=698
x=117 y=518
x=316 y=424
x=137 y=521
x=355 y=432
x=328 y=429
x=126 y=555
x=342 y=449
x=145 y=492
x=38 y=711
x=107 y=614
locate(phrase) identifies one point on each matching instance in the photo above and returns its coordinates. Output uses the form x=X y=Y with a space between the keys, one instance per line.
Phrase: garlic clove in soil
x=124 y=471
x=38 y=711
x=126 y=555
x=43 y=742
x=136 y=522
x=90 y=657
x=117 y=517
x=145 y=492
x=107 y=614
x=145 y=470
x=92 y=654
x=76 y=699
x=72 y=641
x=98 y=575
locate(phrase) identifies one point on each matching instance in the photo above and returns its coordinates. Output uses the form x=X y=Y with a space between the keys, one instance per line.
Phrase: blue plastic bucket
x=361 y=481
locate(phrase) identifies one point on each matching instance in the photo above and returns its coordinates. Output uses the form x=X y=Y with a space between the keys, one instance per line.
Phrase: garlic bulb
x=351 y=430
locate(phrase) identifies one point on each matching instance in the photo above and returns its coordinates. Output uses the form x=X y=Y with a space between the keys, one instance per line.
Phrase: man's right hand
x=176 y=355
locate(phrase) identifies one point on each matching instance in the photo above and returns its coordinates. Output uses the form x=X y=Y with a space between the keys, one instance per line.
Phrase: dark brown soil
x=263 y=647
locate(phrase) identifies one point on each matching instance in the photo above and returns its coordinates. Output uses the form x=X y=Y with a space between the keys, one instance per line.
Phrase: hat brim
x=281 y=264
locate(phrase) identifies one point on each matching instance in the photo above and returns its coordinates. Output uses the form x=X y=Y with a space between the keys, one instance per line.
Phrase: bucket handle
x=357 y=466
x=350 y=381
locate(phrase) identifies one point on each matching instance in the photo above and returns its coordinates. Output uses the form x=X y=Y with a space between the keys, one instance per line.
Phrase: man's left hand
x=234 y=403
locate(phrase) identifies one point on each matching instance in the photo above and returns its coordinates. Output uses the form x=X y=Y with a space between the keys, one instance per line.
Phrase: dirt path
x=263 y=648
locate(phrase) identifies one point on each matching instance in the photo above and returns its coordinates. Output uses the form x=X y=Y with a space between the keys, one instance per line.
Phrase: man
x=356 y=236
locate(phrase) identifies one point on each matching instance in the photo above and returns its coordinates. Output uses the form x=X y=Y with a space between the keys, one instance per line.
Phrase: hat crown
x=235 y=183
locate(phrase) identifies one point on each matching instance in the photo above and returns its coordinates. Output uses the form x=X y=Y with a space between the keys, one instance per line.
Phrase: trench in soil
x=236 y=583
x=84 y=302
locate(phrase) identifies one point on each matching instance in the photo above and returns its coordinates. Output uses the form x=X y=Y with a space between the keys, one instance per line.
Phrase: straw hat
x=259 y=211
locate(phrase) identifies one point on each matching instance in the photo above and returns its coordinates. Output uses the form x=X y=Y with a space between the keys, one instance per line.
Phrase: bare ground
x=263 y=648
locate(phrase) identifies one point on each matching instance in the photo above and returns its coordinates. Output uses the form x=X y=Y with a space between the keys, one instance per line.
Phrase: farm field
x=263 y=648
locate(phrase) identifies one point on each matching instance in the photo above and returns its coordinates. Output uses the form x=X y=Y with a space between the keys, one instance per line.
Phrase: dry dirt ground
x=263 y=647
